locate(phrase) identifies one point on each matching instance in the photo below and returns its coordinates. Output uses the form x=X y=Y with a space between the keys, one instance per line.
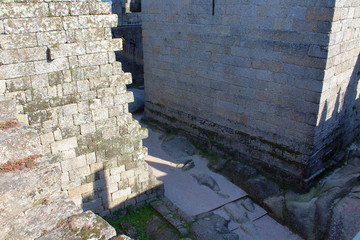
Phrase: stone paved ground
x=196 y=190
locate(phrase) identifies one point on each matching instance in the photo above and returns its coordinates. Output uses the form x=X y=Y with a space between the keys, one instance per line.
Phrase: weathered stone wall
x=58 y=63
x=245 y=76
x=128 y=11
x=131 y=56
x=338 y=116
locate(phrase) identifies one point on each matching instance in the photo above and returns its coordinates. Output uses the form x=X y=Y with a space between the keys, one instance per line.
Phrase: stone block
x=79 y=8
x=90 y=158
x=2 y=29
x=92 y=34
x=99 y=114
x=121 y=194
x=77 y=191
x=65 y=50
x=69 y=109
x=117 y=170
x=113 y=178
x=58 y=134
x=87 y=128
x=95 y=167
x=116 y=111
x=105 y=123
x=58 y=64
x=112 y=57
x=83 y=118
x=80 y=172
x=83 y=106
x=51 y=39
x=320 y=14
x=106 y=70
x=70 y=131
x=69 y=88
x=73 y=163
x=16 y=70
x=127 y=174
x=68 y=154
x=47 y=138
x=71 y=22
x=98 y=21
x=111 y=188
x=24 y=10
x=59 y=9
x=64 y=145
x=83 y=86
x=18 y=84
x=39 y=81
x=120 y=99
x=73 y=62
x=99 y=8
x=93 y=59
x=23 y=25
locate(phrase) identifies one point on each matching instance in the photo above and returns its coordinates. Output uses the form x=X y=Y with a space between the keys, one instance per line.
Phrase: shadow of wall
x=99 y=200
x=338 y=128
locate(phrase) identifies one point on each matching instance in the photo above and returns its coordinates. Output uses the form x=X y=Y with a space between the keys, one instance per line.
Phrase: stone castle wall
x=57 y=61
x=249 y=77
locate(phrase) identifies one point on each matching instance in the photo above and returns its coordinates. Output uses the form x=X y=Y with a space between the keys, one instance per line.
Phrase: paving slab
x=265 y=228
x=185 y=191
x=232 y=211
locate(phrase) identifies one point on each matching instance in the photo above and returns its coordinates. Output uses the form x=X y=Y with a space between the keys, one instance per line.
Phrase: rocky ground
x=330 y=210
x=200 y=203
x=32 y=205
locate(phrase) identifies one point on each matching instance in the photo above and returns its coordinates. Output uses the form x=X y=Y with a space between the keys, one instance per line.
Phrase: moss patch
x=136 y=216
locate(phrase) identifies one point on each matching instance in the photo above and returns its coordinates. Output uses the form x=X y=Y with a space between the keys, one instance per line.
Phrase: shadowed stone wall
x=57 y=62
x=251 y=78
x=338 y=118
x=129 y=28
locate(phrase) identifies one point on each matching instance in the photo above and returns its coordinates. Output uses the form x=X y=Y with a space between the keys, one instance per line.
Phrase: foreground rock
x=32 y=205
x=85 y=225
x=211 y=226
x=329 y=210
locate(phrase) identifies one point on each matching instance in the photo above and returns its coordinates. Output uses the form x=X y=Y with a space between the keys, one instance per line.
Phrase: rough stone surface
x=211 y=226
x=17 y=143
x=33 y=205
x=178 y=147
x=156 y=230
x=311 y=213
x=86 y=225
x=7 y=109
x=345 y=220
x=129 y=229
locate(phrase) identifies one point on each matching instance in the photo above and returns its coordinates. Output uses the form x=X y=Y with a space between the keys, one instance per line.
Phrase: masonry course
x=57 y=62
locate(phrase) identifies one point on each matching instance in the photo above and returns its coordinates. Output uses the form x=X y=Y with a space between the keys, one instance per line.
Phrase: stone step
x=7 y=109
x=173 y=215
